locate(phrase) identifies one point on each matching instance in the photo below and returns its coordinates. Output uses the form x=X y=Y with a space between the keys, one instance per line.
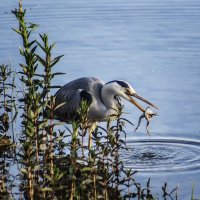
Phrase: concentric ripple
x=167 y=155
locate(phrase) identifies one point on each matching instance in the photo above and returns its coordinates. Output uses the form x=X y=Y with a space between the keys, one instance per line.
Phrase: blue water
x=152 y=44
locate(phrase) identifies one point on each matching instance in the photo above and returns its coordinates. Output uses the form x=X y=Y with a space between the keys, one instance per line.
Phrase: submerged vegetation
x=54 y=163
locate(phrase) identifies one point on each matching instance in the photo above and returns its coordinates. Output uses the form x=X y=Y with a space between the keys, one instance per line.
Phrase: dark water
x=154 y=45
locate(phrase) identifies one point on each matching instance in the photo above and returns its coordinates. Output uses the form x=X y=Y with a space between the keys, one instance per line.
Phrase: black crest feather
x=122 y=83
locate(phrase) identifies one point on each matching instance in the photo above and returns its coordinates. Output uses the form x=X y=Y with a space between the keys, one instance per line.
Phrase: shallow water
x=172 y=160
x=166 y=155
x=155 y=45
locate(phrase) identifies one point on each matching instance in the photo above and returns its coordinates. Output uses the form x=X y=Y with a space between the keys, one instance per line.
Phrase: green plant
x=8 y=112
x=7 y=102
x=37 y=130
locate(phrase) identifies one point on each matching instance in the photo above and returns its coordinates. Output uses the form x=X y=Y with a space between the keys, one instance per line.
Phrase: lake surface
x=152 y=44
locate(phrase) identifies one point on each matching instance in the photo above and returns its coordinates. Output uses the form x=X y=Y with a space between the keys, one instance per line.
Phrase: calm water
x=154 y=45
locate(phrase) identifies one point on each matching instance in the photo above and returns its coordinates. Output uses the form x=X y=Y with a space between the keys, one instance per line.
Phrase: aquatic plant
x=7 y=103
x=8 y=114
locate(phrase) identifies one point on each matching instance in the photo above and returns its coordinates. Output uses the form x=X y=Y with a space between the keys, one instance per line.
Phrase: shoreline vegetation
x=52 y=163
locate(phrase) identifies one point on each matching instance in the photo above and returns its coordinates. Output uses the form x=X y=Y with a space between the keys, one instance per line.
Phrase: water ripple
x=162 y=155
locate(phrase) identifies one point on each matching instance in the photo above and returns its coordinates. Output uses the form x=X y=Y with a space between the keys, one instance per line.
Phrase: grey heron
x=104 y=98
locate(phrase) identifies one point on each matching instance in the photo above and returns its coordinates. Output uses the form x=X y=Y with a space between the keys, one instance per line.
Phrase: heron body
x=104 y=98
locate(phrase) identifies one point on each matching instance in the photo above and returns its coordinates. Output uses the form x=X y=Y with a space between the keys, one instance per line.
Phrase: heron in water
x=104 y=99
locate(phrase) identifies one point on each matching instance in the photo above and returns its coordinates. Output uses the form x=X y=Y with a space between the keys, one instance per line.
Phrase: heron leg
x=91 y=130
x=90 y=139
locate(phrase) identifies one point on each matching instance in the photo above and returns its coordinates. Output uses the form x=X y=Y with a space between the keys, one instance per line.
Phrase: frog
x=147 y=114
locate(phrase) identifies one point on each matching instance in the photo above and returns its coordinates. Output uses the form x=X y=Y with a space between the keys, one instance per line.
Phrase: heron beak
x=142 y=99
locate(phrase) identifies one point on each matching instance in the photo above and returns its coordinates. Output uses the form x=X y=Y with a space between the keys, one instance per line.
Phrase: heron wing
x=70 y=95
x=67 y=104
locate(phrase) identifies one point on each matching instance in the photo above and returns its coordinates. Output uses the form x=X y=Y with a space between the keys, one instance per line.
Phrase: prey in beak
x=146 y=113
x=133 y=101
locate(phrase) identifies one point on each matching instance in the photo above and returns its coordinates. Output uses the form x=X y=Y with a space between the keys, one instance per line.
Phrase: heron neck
x=108 y=98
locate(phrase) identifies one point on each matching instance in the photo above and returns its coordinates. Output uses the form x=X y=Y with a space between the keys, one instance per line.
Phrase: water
x=172 y=160
x=154 y=45
x=166 y=155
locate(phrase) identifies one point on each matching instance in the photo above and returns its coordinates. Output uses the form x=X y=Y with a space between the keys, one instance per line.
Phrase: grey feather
x=70 y=94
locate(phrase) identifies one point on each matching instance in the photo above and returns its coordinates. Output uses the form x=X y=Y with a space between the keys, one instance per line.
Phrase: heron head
x=126 y=91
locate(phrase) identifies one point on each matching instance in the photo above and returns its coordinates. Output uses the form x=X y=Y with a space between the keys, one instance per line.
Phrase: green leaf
x=23 y=171
x=60 y=176
x=21 y=51
x=58 y=73
x=34 y=48
x=39 y=75
x=86 y=169
x=86 y=182
x=31 y=43
x=41 y=60
x=41 y=46
x=17 y=31
x=46 y=189
x=9 y=84
x=55 y=60
x=55 y=86
x=60 y=105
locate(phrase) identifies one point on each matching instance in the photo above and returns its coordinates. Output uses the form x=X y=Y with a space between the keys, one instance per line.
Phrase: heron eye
x=127 y=91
